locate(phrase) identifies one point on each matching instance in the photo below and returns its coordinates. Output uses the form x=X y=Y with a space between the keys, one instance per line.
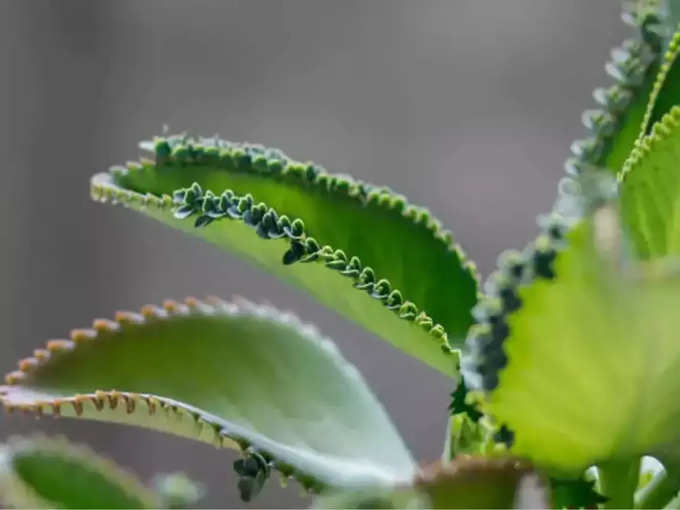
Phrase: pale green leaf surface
x=230 y=374
x=650 y=188
x=422 y=306
x=593 y=357
x=52 y=473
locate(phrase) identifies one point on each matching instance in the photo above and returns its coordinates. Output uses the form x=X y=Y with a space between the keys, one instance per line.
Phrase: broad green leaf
x=666 y=92
x=649 y=187
x=586 y=370
x=361 y=250
x=235 y=375
x=52 y=473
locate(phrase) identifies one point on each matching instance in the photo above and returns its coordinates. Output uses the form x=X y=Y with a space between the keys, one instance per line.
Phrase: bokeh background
x=467 y=107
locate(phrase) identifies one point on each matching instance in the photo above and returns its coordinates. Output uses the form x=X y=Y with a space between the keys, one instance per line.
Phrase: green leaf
x=649 y=191
x=587 y=370
x=614 y=126
x=666 y=92
x=234 y=375
x=359 y=249
x=52 y=473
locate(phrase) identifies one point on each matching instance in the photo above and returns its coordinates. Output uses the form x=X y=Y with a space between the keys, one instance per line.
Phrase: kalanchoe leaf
x=52 y=473
x=666 y=92
x=578 y=376
x=234 y=375
x=374 y=229
x=614 y=127
x=649 y=190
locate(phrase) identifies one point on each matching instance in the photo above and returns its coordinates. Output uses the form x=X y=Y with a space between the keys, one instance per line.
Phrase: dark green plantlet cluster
x=615 y=122
x=303 y=248
x=253 y=471
x=486 y=356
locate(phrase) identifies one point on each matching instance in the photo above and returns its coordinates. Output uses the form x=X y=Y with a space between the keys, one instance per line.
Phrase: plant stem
x=618 y=481
x=661 y=489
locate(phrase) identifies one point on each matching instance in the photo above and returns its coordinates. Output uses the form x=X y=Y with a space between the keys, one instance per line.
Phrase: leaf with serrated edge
x=649 y=185
x=418 y=289
x=41 y=472
x=666 y=92
x=235 y=375
x=614 y=126
x=592 y=361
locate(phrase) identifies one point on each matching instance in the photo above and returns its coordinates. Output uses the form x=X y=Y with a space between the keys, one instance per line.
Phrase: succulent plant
x=562 y=365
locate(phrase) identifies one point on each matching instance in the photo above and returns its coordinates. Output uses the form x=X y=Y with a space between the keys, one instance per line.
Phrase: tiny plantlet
x=564 y=364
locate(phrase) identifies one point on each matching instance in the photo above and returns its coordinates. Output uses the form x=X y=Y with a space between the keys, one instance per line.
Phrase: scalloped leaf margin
x=33 y=388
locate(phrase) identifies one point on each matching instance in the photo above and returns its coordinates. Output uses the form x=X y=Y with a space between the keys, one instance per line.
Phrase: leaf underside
x=361 y=250
x=52 y=473
x=592 y=357
x=234 y=375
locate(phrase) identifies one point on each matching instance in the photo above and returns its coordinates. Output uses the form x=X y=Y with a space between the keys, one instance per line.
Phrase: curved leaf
x=614 y=126
x=235 y=375
x=666 y=92
x=361 y=250
x=587 y=370
x=649 y=187
x=52 y=473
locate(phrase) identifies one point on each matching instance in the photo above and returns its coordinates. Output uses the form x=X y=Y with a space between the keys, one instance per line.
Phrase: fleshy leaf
x=613 y=127
x=52 y=473
x=649 y=185
x=666 y=92
x=235 y=375
x=587 y=372
x=361 y=250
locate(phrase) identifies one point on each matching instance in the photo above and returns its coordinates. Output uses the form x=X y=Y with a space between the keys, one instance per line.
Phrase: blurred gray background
x=467 y=107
